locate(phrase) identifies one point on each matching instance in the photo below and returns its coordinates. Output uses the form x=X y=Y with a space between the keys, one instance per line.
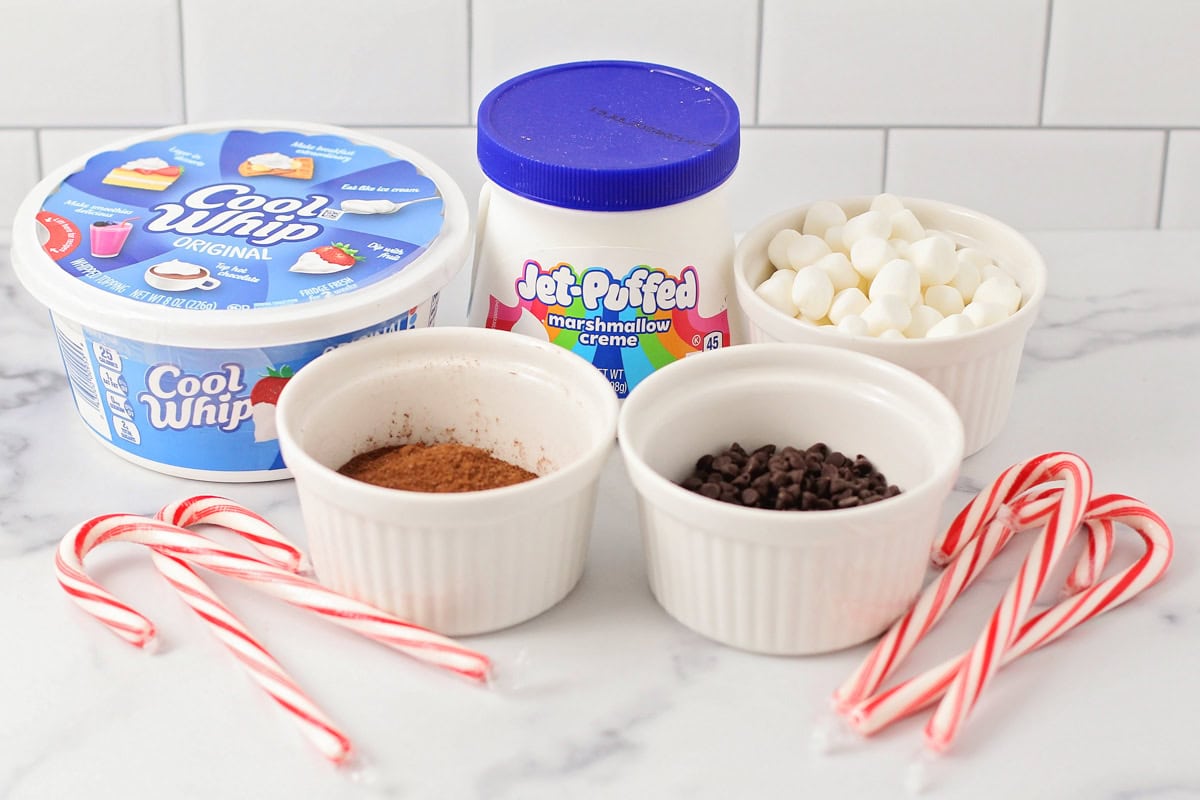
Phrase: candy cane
x=873 y=714
x=981 y=546
x=262 y=668
x=984 y=658
x=207 y=509
x=413 y=640
x=1008 y=485
x=260 y=665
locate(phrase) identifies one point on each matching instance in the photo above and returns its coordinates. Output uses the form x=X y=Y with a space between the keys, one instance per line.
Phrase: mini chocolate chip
x=710 y=490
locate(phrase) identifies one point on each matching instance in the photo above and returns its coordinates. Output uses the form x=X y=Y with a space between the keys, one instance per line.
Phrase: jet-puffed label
x=626 y=323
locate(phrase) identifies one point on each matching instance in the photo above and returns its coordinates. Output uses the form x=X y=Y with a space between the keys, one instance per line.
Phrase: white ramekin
x=977 y=371
x=788 y=582
x=460 y=563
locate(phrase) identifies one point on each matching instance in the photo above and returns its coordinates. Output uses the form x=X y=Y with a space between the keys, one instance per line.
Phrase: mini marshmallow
x=892 y=334
x=822 y=216
x=777 y=291
x=966 y=279
x=868 y=223
x=946 y=299
x=923 y=318
x=847 y=303
x=837 y=267
x=853 y=325
x=905 y=225
x=982 y=313
x=834 y=238
x=869 y=254
x=953 y=325
x=812 y=292
x=974 y=257
x=887 y=204
x=934 y=259
x=898 y=277
x=996 y=290
x=777 y=249
x=941 y=235
x=889 y=311
x=806 y=250
x=899 y=246
x=989 y=271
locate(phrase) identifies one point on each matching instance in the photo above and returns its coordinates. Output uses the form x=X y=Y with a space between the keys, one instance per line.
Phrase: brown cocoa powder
x=439 y=467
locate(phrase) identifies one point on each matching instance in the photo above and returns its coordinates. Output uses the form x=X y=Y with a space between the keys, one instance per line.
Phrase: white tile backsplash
x=60 y=145
x=1181 y=196
x=872 y=62
x=18 y=171
x=1035 y=179
x=716 y=39
x=1117 y=63
x=779 y=169
x=1048 y=113
x=359 y=62
x=74 y=62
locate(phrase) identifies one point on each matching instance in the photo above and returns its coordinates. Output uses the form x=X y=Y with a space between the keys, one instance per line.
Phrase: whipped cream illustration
x=529 y=325
x=146 y=163
x=370 y=206
x=273 y=161
x=181 y=270
x=264 y=422
x=312 y=264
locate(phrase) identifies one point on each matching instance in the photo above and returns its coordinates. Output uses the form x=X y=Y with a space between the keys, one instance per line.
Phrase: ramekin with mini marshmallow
x=942 y=290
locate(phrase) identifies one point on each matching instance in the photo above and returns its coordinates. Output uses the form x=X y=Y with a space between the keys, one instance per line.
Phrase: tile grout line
x=826 y=127
x=758 y=61
x=182 y=62
x=1162 y=179
x=37 y=152
x=470 y=58
x=887 y=137
x=1045 y=63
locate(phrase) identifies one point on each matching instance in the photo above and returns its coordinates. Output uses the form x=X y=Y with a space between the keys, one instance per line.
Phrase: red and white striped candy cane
x=981 y=546
x=984 y=658
x=208 y=509
x=262 y=668
x=413 y=640
x=259 y=664
x=875 y=713
x=1011 y=483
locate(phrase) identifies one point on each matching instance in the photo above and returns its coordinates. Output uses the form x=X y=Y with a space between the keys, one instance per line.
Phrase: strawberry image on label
x=326 y=259
x=263 y=397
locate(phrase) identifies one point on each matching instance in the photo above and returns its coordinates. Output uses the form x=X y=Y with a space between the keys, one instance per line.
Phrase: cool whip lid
x=608 y=135
x=238 y=235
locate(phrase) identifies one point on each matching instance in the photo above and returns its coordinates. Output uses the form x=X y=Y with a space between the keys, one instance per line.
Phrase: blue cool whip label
x=240 y=219
x=201 y=409
x=225 y=220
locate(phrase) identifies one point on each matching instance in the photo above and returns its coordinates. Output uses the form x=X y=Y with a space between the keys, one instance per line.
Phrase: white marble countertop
x=618 y=699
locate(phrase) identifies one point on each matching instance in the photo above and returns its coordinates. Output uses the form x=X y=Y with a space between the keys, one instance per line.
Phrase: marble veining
x=605 y=696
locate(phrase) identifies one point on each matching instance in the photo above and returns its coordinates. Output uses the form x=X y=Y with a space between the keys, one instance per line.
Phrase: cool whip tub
x=603 y=226
x=191 y=273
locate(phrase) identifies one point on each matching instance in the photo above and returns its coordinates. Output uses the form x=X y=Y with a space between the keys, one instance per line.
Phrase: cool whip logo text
x=646 y=289
x=234 y=209
x=177 y=400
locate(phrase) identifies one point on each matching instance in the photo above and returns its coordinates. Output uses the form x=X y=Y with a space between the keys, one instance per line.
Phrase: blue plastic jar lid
x=608 y=135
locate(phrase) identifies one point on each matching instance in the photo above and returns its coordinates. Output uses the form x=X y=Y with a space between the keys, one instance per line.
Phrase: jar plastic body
x=629 y=291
